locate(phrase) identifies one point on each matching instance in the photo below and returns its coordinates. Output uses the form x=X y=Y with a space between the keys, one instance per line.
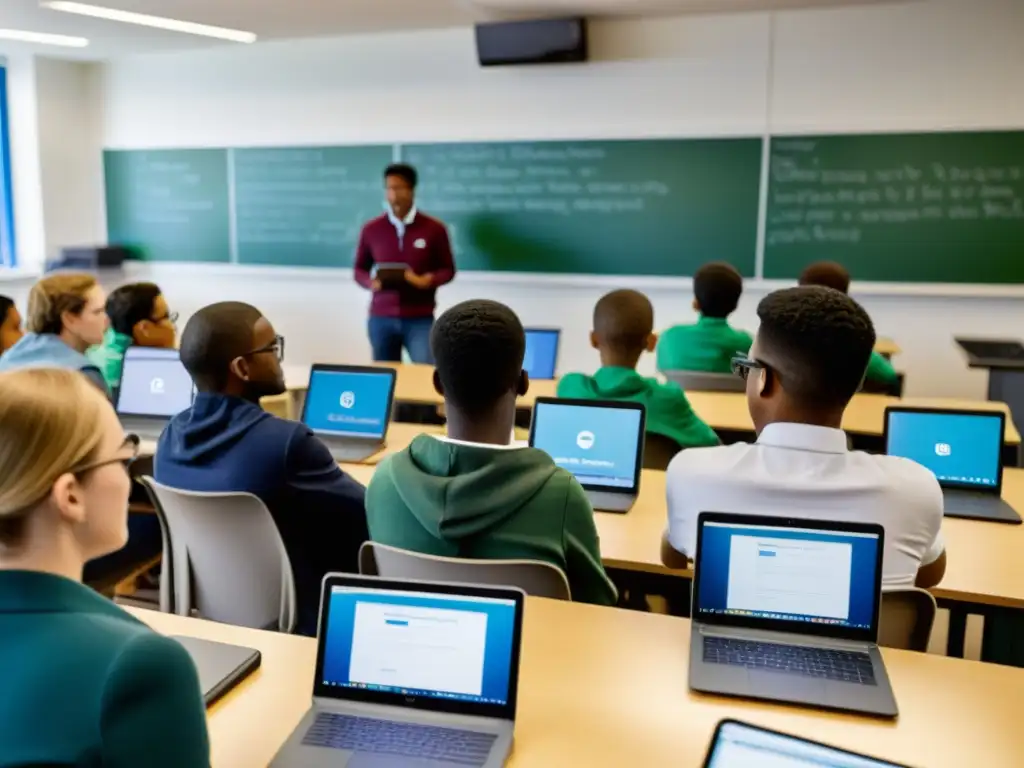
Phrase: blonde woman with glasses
x=85 y=683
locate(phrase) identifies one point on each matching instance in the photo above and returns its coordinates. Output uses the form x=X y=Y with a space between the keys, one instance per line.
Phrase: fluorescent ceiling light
x=174 y=25
x=42 y=38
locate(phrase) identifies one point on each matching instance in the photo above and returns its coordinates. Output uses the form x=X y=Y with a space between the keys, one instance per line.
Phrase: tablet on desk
x=221 y=666
x=390 y=274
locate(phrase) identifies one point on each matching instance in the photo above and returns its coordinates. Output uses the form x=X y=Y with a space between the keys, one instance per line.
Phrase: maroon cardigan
x=425 y=249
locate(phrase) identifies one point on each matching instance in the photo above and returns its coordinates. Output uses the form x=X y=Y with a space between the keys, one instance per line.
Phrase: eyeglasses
x=171 y=317
x=742 y=366
x=131 y=442
x=276 y=347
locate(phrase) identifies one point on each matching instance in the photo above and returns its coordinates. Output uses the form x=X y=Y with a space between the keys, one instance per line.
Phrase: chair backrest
x=227 y=560
x=533 y=577
x=698 y=381
x=906 y=619
x=659 y=451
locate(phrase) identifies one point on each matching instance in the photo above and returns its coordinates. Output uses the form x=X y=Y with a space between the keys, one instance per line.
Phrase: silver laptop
x=963 y=449
x=220 y=666
x=600 y=441
x=349 y=408
x=787 y=610
x=154 y=387
x=411 y=673
x=541 y=358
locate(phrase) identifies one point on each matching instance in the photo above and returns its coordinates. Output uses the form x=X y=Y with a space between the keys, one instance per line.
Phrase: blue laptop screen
x=348 y=403
x=960 y=449
x=153 y=383
x=541 y=353
x=420 y=644
x=740 y=746
x=788 y=574
x=598 y=445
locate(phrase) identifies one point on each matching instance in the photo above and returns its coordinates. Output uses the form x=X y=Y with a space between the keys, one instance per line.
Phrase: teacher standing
x=403 y=316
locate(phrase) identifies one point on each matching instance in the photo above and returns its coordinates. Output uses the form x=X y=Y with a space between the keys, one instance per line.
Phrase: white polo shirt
x=799 y=470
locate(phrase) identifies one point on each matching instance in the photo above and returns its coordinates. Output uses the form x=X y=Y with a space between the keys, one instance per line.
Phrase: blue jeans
x=389 y=334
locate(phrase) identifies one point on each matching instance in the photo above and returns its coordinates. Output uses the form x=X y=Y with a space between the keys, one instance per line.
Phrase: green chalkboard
x=931 y=207
x=654 y=207
x=170 y=205
x=305 y=206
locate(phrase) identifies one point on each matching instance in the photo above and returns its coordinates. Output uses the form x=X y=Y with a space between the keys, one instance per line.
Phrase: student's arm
x=152 y=710
x=678 y=541
x=587 y=579
x=444 y=262
x=670 y=558
x=930 y=575
x=880 y=370
x=363 y=262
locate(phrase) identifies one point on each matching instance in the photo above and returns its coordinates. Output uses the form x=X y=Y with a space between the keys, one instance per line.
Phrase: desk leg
x=957 y=631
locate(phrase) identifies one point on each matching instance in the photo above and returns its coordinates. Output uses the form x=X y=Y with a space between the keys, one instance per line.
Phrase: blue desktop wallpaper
x=714 y=567
x=955 y=447
x=366 y=395
x=612 y=453
x=497 y=655
x=541 y=353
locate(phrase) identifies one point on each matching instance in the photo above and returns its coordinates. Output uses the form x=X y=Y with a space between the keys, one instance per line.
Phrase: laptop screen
x=349 y=403
x=154 y=384
x=741 y=746
x=788 y=574
x=420 y=644
x=541 y=352
x=600 y=445
x=961 y=449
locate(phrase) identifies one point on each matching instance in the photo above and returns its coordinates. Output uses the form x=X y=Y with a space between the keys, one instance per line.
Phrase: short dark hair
x=478 y=351
x=130 y=304
x=830 y=274
x=819 y=340
x=403 y=171
x=624 y=320
x=6 y=303
x=213 y=337
x=717 y=287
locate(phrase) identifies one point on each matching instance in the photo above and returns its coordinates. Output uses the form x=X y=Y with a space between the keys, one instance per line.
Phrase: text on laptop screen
x=153 y=383
x=739 y=746
x=598 y=445
x=420 y=644
x=958 y=448
x=348 y=403
x=788 y=574
x=541 y=353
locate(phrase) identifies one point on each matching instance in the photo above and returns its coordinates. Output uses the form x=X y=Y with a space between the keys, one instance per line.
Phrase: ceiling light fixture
x=159 y=22
x=43 y=38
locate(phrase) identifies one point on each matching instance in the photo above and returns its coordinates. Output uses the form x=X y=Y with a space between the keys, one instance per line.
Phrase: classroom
x=239 y=165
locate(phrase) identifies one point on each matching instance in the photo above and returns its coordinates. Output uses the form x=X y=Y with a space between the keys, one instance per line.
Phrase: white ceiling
x=288 y=19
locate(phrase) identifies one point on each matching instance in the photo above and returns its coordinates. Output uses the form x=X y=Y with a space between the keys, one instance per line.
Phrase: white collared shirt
x=512 y=445
x=800 y=470
x=400 y=224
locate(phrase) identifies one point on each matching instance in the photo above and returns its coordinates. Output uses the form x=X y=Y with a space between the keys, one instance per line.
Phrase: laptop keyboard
x=843 y=666
x=365 y=734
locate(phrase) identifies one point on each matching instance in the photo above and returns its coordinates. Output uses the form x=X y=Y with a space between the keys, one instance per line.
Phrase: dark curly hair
x=717 y=287
x=830 y=274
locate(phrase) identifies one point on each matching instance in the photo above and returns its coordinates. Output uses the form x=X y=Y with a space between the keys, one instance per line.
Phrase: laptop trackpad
x=786 y=686
x=372 y=760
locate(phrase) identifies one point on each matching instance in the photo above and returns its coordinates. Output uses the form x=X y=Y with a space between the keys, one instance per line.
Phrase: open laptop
x=349 y=407
x=787 y=610
x=541 y=359
x=154 y=387
x=411 y=673
x=964 y=451
x=600 y=441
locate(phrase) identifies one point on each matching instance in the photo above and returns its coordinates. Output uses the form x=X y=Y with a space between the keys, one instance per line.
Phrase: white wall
x=917 y=66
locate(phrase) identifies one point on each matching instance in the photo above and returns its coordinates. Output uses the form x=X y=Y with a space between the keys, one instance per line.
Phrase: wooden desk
x=887 y=348
x=607 y=687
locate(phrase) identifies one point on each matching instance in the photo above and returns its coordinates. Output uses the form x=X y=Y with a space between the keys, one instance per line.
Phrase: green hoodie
x=668 y=411
x=463 y=500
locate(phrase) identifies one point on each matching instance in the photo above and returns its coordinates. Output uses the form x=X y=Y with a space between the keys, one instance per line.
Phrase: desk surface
x=607 y=687
x=887 y=347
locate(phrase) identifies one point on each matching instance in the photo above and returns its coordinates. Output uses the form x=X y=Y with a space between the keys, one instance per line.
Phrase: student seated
x=225 y=442
x=10 y=324
x=472 y=494
x=805 y=365
x=624 y=330
x=138 y=316
x=709 y=345
x=85 y=683
x=66 y=316
x=833 y=275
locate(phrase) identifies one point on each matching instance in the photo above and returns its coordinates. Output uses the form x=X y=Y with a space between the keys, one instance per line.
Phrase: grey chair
x=533 y=577
x=906 y=618
x=224 y=558
x=697 y=381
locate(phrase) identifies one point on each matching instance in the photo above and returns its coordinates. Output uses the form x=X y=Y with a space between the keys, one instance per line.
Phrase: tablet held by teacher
x=402 y=257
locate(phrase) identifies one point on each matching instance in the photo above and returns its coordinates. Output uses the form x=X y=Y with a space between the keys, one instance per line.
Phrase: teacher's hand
x=418 y=281
x=375 y=286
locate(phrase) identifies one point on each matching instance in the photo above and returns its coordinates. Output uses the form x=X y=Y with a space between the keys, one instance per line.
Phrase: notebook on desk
x=154 y=388
x=963 y=449
x=349 y=407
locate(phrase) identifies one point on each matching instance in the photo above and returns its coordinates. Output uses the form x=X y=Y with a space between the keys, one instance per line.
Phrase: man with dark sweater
x=402 y=315
x=472 y=494
x=226 y=442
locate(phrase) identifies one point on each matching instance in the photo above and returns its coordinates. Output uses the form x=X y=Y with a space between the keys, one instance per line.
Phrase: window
x=7 y=253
